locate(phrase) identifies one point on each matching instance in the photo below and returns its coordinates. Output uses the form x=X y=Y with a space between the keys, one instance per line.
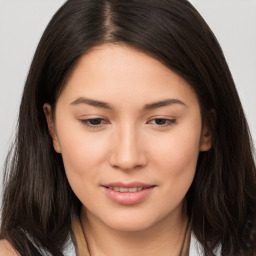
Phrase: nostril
x=126 y=153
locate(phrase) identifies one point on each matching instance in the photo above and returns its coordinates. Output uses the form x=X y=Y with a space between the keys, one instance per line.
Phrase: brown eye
x=163 y=121
x=93 y=122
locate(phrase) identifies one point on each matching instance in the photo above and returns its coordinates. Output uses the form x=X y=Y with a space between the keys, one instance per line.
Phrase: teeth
x=125 y=190
x=132 y=189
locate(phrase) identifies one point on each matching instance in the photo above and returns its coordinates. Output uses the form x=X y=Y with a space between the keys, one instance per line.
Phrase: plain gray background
x=22 y=23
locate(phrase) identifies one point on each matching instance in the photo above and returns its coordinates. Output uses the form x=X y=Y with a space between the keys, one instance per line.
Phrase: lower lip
x=128 y=198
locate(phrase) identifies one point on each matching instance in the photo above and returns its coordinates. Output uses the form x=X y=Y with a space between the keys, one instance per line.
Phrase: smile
x=128 y=194
x=125 y=190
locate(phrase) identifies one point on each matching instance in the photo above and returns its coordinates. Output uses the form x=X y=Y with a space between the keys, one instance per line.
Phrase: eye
x=93 y=122
x=162 y=122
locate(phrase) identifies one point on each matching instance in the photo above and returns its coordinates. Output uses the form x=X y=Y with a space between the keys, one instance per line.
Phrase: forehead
x=113 y=70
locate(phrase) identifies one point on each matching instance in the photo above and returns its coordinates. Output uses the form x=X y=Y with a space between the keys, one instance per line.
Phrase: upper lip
x=128 y=185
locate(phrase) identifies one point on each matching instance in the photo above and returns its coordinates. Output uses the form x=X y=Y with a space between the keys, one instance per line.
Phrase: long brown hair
x=38 y=201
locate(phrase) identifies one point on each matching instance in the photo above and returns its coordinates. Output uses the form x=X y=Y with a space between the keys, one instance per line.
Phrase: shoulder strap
x=33 y=249
x=79 y=239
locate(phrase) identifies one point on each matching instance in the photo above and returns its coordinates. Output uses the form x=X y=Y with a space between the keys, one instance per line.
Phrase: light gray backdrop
x=23 y=21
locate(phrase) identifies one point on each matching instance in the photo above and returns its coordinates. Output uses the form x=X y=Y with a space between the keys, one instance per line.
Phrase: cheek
x=176 y=159
x=83 y=155
x=79 y=154
x=82 y=159
x=181 y=148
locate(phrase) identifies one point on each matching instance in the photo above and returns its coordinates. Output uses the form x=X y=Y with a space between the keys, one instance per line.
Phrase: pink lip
x=127 y=185
x=128 y=198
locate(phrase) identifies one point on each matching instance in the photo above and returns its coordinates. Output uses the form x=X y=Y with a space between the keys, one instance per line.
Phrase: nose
x=127 y=150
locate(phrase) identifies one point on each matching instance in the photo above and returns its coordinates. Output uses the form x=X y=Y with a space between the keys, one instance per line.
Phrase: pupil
x=96 y=121
x=160 y=121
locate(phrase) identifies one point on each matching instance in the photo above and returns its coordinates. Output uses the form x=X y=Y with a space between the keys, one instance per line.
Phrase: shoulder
x=6 y=249
x=197 y=249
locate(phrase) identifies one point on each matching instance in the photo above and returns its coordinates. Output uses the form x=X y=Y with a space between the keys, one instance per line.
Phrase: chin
x=130 y=225
x=134 y=220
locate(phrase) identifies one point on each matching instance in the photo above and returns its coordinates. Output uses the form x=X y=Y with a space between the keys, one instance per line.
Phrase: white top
x=196 y=248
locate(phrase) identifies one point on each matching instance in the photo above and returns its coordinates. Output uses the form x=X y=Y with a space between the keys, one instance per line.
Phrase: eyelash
x=100 y=122
x=168 y=122
x=87 y=122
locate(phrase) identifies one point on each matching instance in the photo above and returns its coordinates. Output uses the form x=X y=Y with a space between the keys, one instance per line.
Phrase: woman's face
x=129 y=131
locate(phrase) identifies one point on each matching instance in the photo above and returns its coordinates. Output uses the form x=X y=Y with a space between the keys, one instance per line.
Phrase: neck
x=164 y=238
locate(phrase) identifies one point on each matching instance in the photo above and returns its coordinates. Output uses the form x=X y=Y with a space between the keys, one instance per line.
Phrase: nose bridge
x=127 y=152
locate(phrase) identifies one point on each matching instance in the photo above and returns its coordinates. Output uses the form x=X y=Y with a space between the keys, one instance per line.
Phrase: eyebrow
x=163 y=103
x=104 y=105
x=91 y=102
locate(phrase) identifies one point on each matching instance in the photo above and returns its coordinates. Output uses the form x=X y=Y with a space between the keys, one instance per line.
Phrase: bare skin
x=6 y=249
x=163 y=239
x=123 y=118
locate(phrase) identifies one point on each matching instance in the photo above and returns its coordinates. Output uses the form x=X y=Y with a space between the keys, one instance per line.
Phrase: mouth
x=127 y=189
x=128 y=194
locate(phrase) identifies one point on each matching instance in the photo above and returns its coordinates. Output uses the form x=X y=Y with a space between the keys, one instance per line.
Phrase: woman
x=131 y=139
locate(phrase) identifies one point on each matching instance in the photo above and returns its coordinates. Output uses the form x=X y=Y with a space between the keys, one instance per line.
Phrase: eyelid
x=170 y=121
x=86 y=122
x=101 y=122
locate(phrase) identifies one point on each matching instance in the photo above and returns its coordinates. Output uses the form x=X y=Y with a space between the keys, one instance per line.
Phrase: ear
x=206 y=140
x=51 y=126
